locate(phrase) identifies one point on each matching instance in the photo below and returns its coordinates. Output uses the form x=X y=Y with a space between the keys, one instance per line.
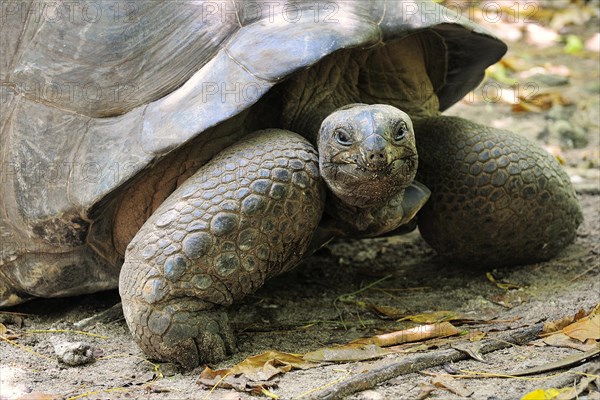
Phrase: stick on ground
x=418 y=362
x=109 y=315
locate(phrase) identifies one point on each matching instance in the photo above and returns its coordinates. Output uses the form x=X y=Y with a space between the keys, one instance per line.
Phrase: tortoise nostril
x=372 y=156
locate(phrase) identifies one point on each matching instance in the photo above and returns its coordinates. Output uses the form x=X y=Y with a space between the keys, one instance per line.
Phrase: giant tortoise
x=188 y=151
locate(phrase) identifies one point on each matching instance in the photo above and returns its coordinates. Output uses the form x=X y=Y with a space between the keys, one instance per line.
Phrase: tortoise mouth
x=377 y=169
x=360 y=185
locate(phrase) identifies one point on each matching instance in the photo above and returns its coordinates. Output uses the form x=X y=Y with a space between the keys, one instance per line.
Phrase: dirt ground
x=301 y=311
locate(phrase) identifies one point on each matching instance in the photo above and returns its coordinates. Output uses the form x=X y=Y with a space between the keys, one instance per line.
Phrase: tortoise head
x=367 y=153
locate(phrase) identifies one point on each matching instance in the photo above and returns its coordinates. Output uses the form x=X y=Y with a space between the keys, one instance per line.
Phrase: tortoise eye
x=343 y=137
x=401 y=132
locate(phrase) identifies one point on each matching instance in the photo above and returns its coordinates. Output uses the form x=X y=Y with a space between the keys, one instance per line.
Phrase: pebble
x=74 y=353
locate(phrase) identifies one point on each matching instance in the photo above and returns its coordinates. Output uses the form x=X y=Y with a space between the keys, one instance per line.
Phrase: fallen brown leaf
x=472 y=349
x=501 y=285
x=514 y=63
x=253 y=373
x=425 y=390
x=210 y=378
x=539 y=102
x=559 y=324
x=266 y=365
x=451 y=316
x=562 y=340
x=586 y=328
x=416 y=334
x=432 y=317
x=385 y=311
x=451 y=385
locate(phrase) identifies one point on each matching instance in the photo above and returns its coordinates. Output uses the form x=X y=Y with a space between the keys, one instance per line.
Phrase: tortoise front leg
x=246 y=216
x=497 y=198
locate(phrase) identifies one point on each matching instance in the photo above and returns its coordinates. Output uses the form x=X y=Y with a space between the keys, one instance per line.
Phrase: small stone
x=74 y=353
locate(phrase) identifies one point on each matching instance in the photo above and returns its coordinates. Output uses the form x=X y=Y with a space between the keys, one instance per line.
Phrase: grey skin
x=180 y=162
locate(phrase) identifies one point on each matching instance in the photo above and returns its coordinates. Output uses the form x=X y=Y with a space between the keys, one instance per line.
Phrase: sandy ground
x=296 y=312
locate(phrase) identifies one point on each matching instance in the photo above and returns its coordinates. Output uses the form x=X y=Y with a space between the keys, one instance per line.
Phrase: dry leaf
x=584 y=329
x=539 y=102
x=253 y=373
x=441 y=316
x=347 y=352
x=505 y=286
x=220 y=378
x=473 y=350
x=514 y=63
x=432 y=317
x=425 y=390
x=416 y=334
x=451 y=385
x=562 y=340
x=3 y=329
x=385 y=311
x=266 y=365
x=559 y=324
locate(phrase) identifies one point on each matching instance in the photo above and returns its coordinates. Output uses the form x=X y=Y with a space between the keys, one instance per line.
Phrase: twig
x=65 y=331
x=418 y=362
x=562 y=363
x=109 y=315
x=584 y=273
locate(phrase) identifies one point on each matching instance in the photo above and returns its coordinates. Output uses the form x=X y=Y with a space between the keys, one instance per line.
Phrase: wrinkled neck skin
x=314 y=93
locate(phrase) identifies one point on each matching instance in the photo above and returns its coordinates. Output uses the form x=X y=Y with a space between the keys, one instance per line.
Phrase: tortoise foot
x=185 y=331
x=244 y=217
x=497 y=198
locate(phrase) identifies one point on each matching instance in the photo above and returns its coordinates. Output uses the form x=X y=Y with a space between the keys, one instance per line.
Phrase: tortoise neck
x=314 y=93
